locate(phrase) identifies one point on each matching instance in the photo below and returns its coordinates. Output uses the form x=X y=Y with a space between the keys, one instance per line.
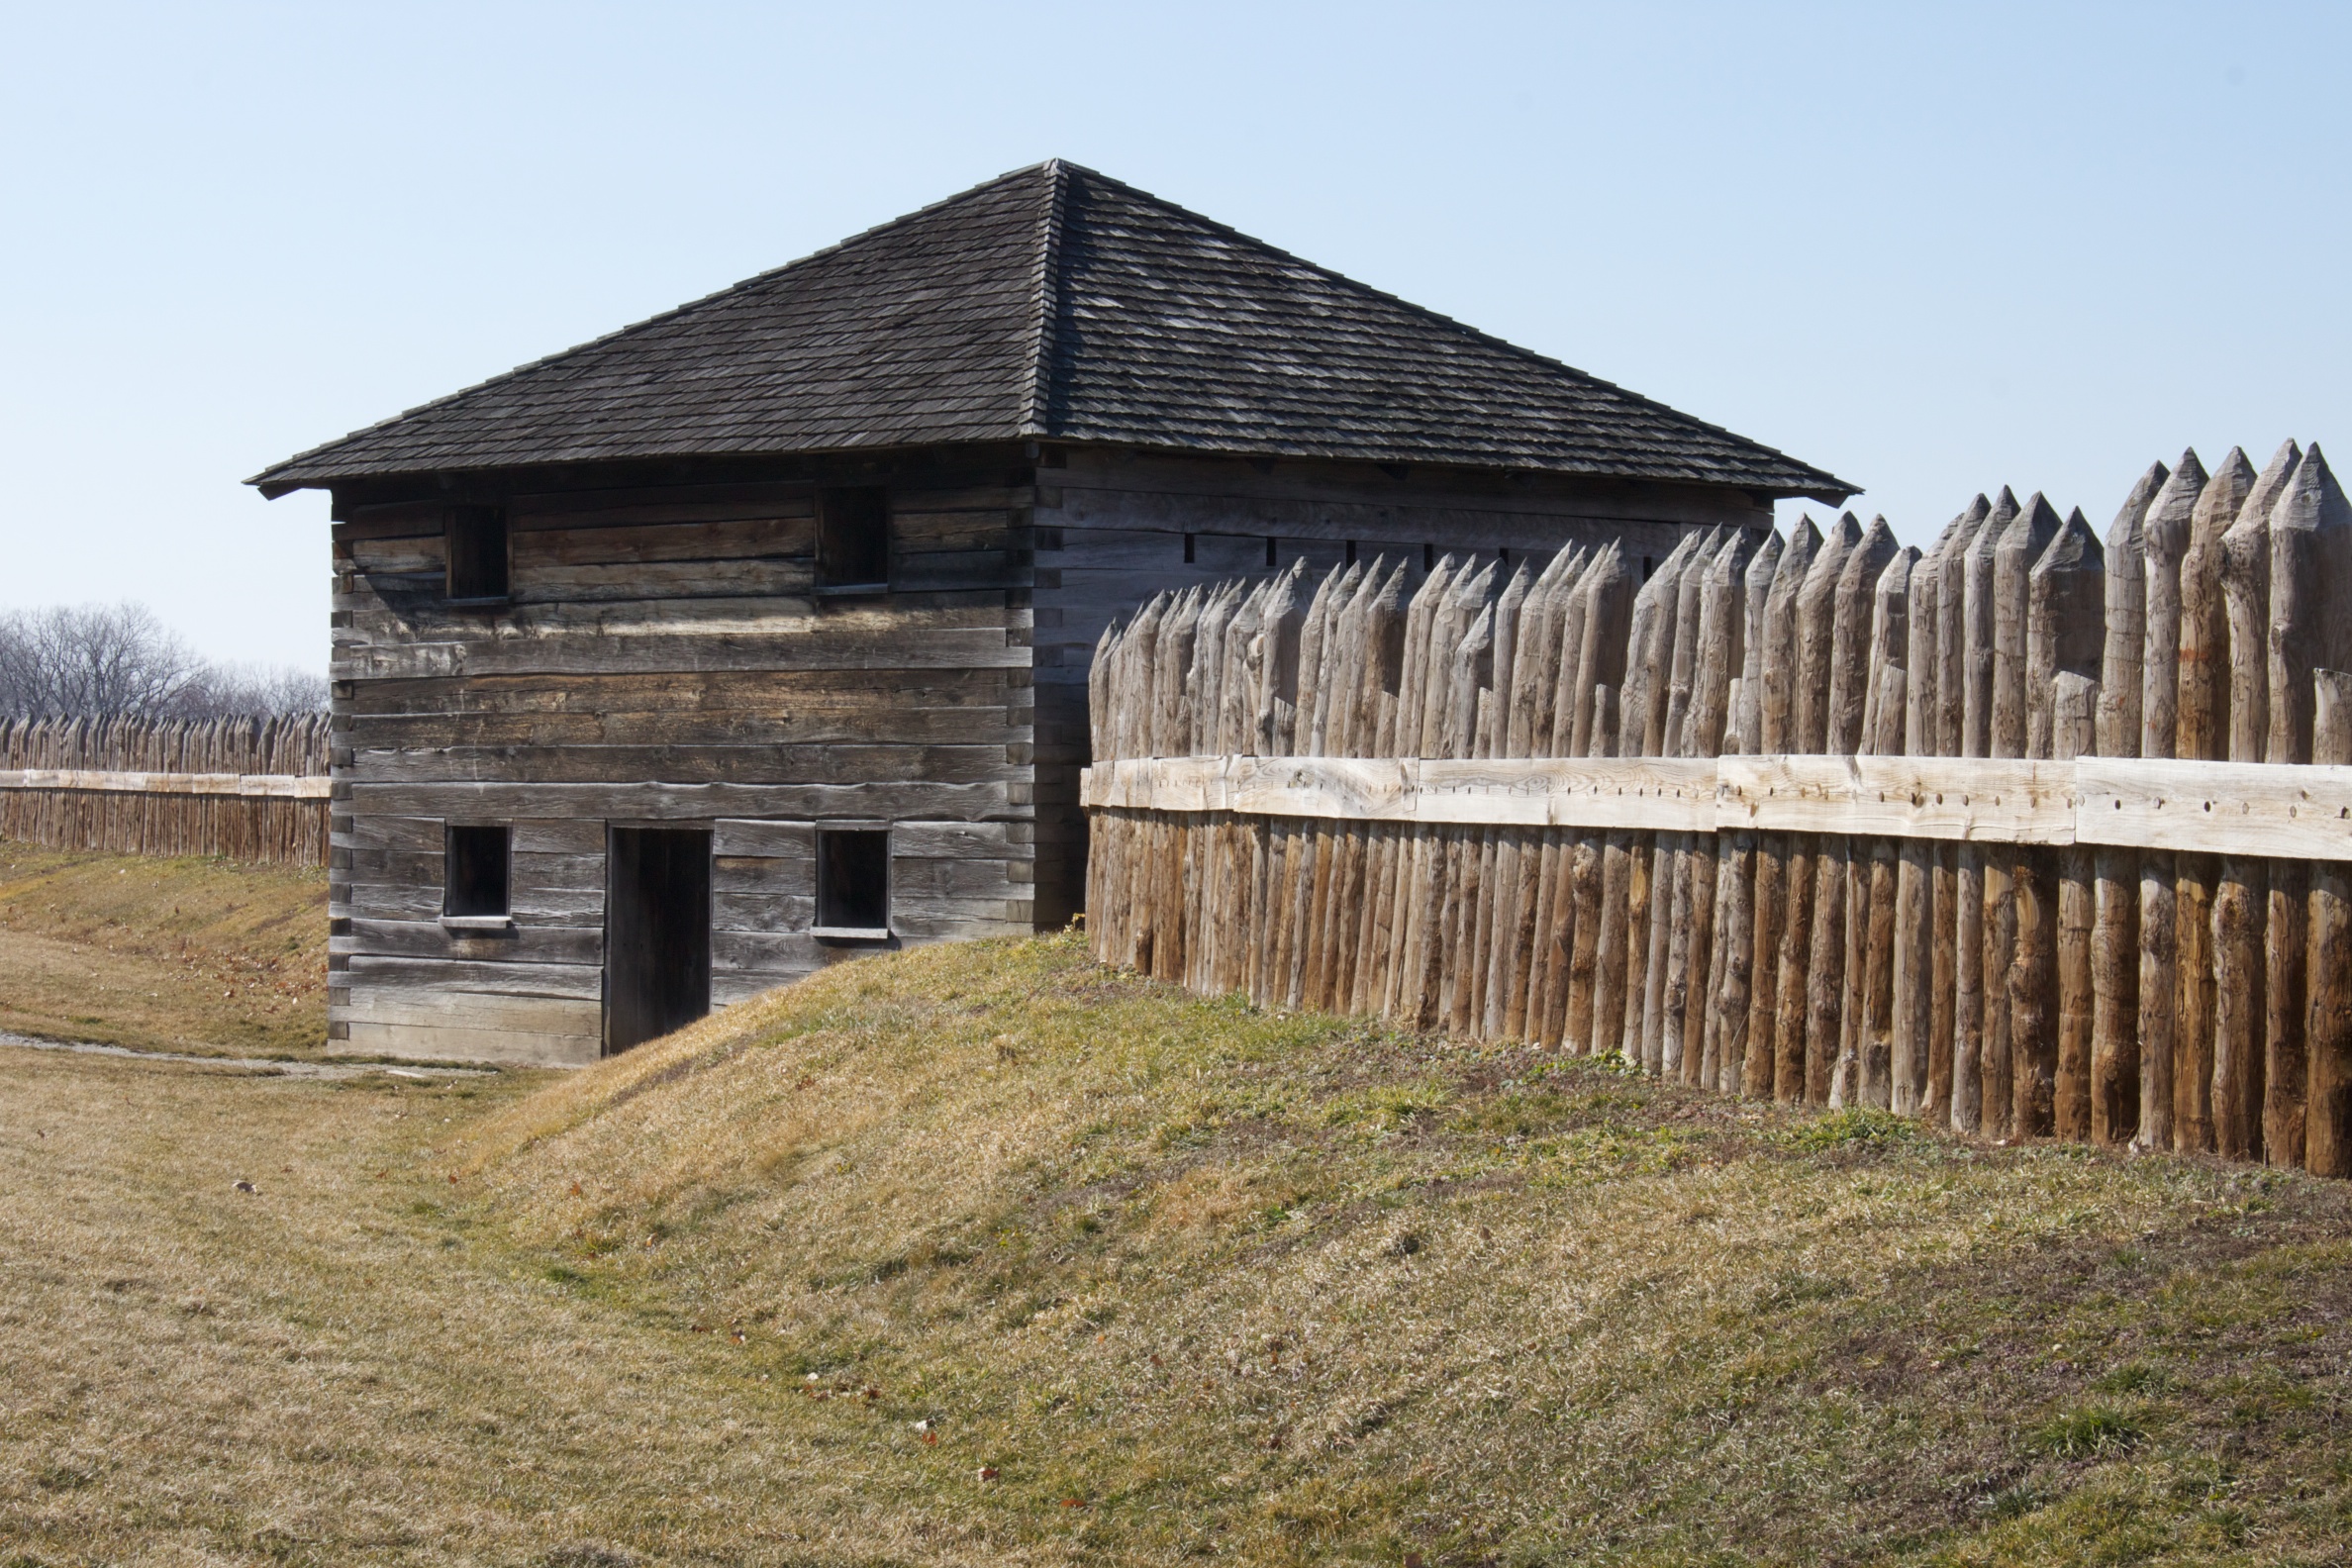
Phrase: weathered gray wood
x=2126 y=602
x=1979 y=636
x=1811 y=972
x=2164 y=538
x=1815 y=630
x=1841 y=921
x=2202 y=723
x=1779 y=670
x=1951 y=629
x=2021 y=547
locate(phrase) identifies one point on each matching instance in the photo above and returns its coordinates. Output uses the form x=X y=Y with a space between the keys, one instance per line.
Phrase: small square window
x=853 y=538
x=474 y=880
x=852 y=883
x=477 y=553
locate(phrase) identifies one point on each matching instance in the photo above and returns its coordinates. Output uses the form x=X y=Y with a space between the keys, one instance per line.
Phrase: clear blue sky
x=1933 y=249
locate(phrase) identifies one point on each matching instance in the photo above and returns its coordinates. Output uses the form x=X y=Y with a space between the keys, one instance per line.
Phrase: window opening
x=1188 y=549
x=1351 y=552
x=853 y=538
x=1270 y=549
x=477 y=555
x=852 y=883
x=1428 y=557
x=475 y=877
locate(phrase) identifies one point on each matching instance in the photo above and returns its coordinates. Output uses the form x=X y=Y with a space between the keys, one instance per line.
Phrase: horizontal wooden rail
x=2293 y=813
x=246 y=786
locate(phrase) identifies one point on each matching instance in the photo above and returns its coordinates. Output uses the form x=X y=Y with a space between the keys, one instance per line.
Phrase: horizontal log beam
x=248 y=786
x=2302 y=813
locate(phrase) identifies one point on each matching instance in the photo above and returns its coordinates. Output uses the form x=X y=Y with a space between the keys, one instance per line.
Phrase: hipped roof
x=1055 y=304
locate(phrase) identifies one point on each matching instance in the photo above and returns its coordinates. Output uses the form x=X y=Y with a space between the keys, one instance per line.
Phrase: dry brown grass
x=1196 y=1283
x=212 y=957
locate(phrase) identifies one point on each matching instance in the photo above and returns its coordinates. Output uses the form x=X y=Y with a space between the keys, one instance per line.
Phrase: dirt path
x=259 y=1065
x=333 y=1367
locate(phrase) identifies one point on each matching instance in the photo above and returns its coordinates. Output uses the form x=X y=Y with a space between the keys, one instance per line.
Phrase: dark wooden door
x=657 y=933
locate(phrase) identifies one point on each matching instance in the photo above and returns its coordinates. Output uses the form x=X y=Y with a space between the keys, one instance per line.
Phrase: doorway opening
x=657 y=933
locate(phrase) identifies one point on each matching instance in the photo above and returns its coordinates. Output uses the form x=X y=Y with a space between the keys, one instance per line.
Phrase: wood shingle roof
x=1054 y=303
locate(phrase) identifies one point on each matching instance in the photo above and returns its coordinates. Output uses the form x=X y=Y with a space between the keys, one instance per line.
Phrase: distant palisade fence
x=252 y=789
x=2025 y=834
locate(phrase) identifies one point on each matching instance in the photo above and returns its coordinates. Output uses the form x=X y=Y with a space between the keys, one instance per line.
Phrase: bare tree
x=227 y=691
x=120 y=661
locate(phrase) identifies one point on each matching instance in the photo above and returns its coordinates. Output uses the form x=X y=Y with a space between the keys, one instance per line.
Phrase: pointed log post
x=1970 y=982
x=1722 y=600
x=2242 y=971
x=1625 y=921
x=1813 y=953
x=1816 y=621
x=1779 y=667
x=1852 y=682
x=1980 y=634
x=1951 y=681
x=2308 y=527
x=1737 y=940
x=1528 y=943
x=1599 y=612
x=1834 y=1010
x=1677 y=644
x=2164 y=536
x=1951 y=630
x=2008 y=729
x=1913 y=1090
x=1775 y=681
x=2049 y=981
x=1379 y=679
x=1397 y=999
x=1499 y=954
x=1641 y=718
x=2115 y=934
x=1351 y=720
x=2202 y=729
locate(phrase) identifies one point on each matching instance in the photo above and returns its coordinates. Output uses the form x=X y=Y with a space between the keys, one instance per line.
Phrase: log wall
x=666 y=658
x=2029 y=834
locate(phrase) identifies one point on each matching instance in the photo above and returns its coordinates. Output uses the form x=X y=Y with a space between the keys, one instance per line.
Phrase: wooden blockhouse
x=755 y=636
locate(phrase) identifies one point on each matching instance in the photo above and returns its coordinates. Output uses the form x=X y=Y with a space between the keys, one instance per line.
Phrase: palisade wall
x=253 y=789
x=2029 y=834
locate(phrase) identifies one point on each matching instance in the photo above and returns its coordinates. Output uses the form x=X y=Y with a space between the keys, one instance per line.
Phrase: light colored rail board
x=1660 y=794
x=2222 y=808
x=250 y=786
x=2293 y=813
x=1981 y=799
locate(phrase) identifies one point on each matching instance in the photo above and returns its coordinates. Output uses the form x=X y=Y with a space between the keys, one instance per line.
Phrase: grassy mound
x=1101 y=1270
x=214 y=957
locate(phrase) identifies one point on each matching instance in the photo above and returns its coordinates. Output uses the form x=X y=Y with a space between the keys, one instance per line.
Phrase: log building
x=753 y=636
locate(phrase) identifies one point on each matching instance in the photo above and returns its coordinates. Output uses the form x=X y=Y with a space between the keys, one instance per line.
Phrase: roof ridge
x=1046 y=299
x=1439 y=317
x=739 y=286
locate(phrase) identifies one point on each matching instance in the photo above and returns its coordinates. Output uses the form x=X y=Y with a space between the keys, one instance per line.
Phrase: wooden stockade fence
x=255 y=789
x=2026 y=833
